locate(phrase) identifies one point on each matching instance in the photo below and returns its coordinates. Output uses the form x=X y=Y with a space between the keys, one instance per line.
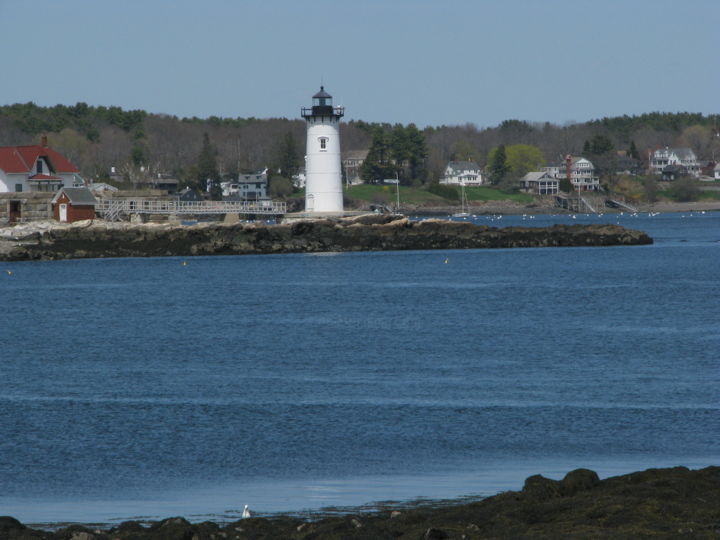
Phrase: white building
x=465 y=173
x=716 y=172
x=35 y=168
x=663 y=157
x=540 y=183
x=352 y=163
x=582 y=173
x=249 y=187
x=323 y=170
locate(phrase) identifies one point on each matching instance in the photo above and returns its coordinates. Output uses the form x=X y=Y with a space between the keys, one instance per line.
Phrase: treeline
x=136 y=142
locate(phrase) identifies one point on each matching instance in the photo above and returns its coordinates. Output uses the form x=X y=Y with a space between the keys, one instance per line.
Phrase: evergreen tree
x=498 y=165
x=633 y=151
x=377 y=165
x=288 y=156
x=207 y=170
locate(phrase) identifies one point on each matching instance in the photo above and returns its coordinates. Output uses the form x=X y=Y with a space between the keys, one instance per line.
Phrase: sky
x=432 y=63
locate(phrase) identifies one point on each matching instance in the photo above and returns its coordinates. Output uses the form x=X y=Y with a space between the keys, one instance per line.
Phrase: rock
x=578 y=480
x=435 y=534
x=320 y=235
x=540 y=488
x=8 y=524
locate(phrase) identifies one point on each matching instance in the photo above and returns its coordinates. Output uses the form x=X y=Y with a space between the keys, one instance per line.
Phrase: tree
x=377 y=165
x=498 y=167
x=207 y=170
x=288 y=156
x=684 y=190
x=280 y=187
x=651 y=189
x=633 y=151
x=462 y=150
x=601 y=154
x=523 y=158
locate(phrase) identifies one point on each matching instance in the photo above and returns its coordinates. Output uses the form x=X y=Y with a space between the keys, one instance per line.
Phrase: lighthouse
x=323 y=175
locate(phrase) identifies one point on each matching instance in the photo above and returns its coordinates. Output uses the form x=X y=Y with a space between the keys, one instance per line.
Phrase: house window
x=18 y=187
x=39 y=166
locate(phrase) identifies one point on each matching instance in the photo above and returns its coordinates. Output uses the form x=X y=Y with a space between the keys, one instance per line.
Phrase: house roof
x=355 y=154
x=77 y=195
x=684 y=153
x=463 y=166
x=534 y=176
x=21 y=159
x=43 y=177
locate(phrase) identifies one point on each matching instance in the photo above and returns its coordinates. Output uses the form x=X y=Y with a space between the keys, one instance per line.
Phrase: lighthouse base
x=303 y=216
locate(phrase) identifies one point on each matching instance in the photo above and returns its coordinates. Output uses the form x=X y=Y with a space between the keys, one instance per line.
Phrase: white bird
x=246 y=512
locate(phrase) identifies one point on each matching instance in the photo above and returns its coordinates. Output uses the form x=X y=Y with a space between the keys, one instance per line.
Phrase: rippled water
x=149 y=388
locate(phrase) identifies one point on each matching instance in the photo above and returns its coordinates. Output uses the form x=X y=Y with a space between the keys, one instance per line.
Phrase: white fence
x=112 y=209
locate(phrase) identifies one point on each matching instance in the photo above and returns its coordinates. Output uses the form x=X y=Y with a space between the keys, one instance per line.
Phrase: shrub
x=444 y=191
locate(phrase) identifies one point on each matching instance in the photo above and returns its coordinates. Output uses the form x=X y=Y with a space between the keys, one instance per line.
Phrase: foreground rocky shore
x=364 y=233
x=657 y=503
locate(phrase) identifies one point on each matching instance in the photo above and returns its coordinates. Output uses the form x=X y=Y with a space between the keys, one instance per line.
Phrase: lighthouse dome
x=322 y=99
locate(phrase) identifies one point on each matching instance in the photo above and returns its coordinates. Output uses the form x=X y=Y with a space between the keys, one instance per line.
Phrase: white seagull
x=246 y=512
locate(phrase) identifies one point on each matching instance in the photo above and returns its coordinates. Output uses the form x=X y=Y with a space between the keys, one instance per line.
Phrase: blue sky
x=428 y=62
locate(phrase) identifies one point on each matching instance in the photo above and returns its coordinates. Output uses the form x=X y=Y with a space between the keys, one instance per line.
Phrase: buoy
x=9 y=272
x=246 y=512
x=446 y=260
x=184 y=263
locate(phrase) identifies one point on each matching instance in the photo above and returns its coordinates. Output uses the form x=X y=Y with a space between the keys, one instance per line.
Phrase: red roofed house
x=35 y=168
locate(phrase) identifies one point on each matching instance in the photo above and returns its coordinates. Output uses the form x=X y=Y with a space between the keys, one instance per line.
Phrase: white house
x=582 y=173
x=540 y=182
x=663 y=157
x=352 y=161
x=249 y=187
x=466 y=173
x=35 y=168
x=716 y=172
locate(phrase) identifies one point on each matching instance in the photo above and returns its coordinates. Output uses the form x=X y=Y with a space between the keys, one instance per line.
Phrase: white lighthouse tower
x=323 y=175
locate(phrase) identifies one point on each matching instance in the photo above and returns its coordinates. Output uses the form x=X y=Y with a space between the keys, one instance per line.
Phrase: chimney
x=43 y=141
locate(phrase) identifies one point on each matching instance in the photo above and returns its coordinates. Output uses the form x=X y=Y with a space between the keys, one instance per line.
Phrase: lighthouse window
x=323 y=143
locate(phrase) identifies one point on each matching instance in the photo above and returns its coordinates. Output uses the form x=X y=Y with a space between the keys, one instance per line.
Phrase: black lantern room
x=322 y=106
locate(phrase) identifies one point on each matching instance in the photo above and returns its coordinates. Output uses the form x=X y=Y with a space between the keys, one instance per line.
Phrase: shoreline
x=512 y=208
x=662 y=503
x=370 y=232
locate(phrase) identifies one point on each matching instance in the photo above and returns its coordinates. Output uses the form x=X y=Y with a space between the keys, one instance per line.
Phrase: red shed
x=73 y=204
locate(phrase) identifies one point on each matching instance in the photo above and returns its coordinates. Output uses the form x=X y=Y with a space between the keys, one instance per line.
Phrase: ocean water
x=146 y=388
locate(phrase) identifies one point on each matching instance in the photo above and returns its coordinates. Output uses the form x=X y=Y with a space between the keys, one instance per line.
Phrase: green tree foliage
x=498 y=167
x=622 y=126
x=651 y=189
x=685 y=190
x=397 y=150
x=207 y=170
x=288 y=156
x=633 y=151
x=377 y=165
x=444 y=191
x=600 y=144
x=280 y=187
x=566 y=185
x=84 y=119
x=523 y=158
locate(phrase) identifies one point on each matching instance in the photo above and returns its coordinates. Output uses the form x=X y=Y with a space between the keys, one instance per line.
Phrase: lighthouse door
x=310 y=206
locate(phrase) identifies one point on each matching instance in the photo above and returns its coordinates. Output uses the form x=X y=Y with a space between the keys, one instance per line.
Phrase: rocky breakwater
x=364 y=233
